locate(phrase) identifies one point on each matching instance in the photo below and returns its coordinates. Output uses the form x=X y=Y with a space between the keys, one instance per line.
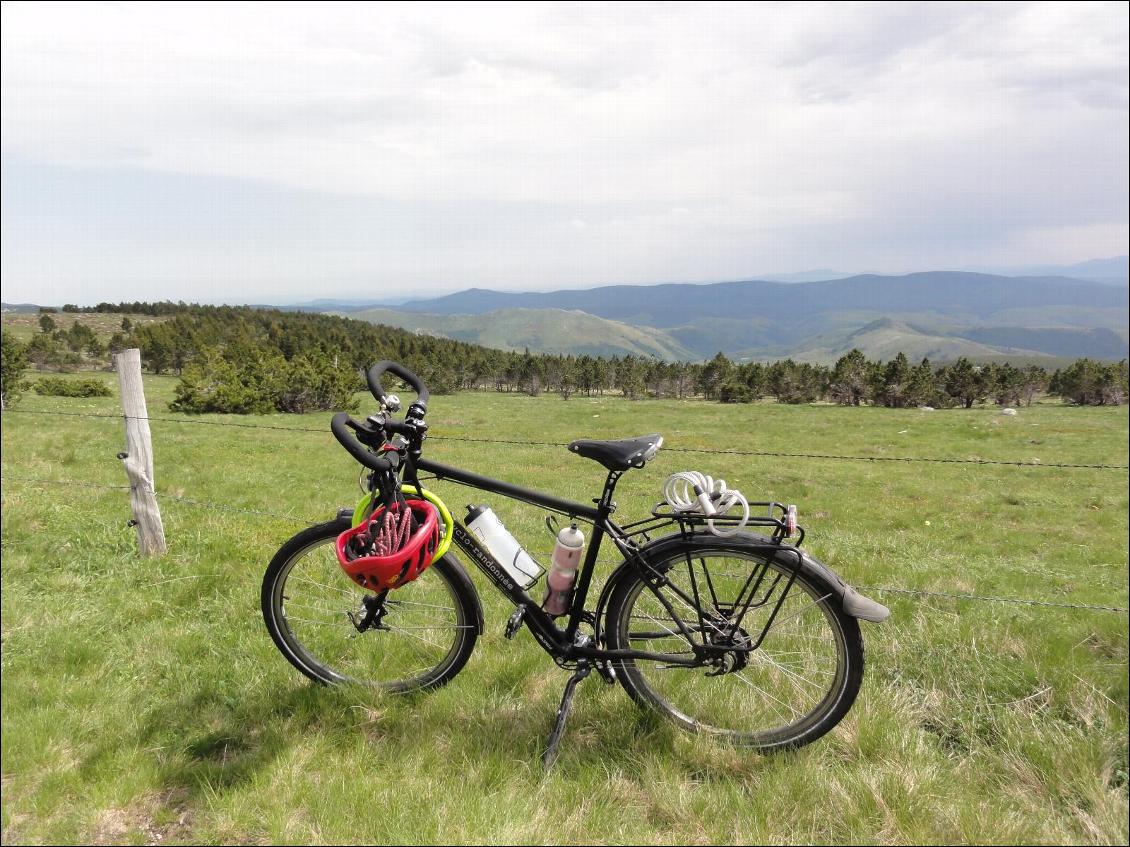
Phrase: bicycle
x=727 y=632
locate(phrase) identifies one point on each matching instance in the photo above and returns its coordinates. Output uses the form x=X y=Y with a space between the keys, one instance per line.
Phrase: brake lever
x=370 y=433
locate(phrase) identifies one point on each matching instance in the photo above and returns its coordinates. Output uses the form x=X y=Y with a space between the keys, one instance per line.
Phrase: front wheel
x=788 y=690
x=417 y=636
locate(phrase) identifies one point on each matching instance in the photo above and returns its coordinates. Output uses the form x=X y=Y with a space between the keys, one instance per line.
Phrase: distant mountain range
x=1113 y=271
x=940 y=314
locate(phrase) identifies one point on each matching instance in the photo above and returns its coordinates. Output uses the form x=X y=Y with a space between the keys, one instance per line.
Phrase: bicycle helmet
x=413 y=492
x=385 y=551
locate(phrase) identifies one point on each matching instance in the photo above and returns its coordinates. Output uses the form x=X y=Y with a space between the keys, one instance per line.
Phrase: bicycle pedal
x=607 y=672
x=515 y=622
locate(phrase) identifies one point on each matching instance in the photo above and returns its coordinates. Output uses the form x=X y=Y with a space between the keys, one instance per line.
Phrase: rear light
x=790 y=521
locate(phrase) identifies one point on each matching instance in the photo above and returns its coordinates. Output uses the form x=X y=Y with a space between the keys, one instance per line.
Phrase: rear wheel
x=420 y=635
x=789 y=690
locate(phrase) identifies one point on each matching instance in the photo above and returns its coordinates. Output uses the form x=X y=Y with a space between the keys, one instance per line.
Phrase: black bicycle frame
x=561 y=643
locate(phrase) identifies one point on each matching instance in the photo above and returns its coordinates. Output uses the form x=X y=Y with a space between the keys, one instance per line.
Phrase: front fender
x=851 y=601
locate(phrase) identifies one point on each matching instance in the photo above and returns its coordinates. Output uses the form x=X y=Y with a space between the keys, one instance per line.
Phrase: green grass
x=143 y=699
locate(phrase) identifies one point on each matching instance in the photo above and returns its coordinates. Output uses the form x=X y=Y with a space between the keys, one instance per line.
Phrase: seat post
x=581 y=591
x=605 y=501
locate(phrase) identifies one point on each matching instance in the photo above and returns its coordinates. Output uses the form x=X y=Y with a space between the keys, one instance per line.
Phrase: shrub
x=215 y=384
x=1090 y=383
x=58 y=387
x=314 y=383
x=250 y=381
x=734 y=391
x=13 y=360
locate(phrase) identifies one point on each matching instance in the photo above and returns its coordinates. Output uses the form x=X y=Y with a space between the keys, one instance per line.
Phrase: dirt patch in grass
x=158 y=818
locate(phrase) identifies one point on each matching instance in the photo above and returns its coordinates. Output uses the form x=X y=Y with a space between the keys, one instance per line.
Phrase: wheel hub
x=737 y=646
x=371 y=614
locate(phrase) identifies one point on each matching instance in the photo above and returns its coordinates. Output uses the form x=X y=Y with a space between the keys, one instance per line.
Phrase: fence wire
x=669 y=448
x=163 y=495
x=223 y=507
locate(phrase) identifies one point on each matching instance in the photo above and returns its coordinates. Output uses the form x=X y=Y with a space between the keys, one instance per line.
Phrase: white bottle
x=504 y=547
x=566 y=560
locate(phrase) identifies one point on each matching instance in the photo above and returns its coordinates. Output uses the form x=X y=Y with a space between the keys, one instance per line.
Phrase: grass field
x=143 y=700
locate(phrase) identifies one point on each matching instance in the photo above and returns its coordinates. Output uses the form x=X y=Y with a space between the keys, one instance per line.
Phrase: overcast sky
x=281 y=152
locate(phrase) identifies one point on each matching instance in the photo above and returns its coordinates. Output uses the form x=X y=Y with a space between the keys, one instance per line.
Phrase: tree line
x=246 y=360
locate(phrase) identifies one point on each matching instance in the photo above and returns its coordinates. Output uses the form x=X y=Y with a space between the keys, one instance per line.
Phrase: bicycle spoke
x=770 y=692
x=416 y=603
x=779 y=621
x=345 y=591
x=436 y=626
x=420 y=638
x=332 y=611
x=742 y=677
x=794 y=676
x=343 y=624
x=420 y=633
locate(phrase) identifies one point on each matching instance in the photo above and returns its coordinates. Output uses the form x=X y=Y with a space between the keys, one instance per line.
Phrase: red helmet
x=384 y=551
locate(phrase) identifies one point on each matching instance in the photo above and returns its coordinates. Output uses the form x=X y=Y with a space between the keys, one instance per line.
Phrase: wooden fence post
x=138 y=457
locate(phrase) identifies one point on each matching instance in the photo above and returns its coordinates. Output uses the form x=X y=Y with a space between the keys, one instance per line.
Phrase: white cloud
x=690 y=139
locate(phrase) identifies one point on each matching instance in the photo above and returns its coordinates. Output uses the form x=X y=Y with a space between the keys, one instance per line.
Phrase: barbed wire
x=164 y=495
x=66 y=482
x=667 y=447
x=223 y=507
x=990 y=599
x=771 y=453
x=200 y=422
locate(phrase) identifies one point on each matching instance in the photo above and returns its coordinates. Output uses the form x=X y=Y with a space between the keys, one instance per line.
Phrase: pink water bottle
x=559 y=580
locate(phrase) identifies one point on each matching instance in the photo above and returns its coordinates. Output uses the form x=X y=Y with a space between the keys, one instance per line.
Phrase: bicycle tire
x=319 y=639
x=757 y=714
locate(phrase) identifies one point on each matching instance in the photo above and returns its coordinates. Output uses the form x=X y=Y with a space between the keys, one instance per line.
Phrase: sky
x=285 y=152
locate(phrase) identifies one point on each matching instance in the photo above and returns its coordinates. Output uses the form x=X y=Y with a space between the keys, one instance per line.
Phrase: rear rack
x=663 y=516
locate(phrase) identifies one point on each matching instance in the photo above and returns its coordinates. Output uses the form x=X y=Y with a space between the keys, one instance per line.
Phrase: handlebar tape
x=354 y=447
x=373 y=377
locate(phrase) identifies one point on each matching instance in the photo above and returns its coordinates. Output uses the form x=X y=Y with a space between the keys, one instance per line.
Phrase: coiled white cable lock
x=691 y=491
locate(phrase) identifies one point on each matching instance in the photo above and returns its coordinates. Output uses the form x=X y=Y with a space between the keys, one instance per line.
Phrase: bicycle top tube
x=506 y=489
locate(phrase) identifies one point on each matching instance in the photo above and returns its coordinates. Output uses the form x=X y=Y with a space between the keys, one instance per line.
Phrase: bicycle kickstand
x=550 y=754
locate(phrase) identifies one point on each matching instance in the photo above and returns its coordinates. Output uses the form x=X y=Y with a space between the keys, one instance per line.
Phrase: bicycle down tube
x=558 y=642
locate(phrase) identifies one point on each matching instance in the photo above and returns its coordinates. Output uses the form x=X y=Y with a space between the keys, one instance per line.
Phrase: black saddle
x=620 y=455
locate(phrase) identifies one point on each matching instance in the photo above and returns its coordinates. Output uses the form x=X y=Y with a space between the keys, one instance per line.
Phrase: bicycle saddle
x=620 y=455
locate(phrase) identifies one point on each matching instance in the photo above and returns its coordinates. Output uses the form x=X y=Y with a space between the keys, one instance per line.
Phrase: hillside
x=541 y=330
x=885 y=338
x=24 y=324
x=21 y=308
x=965 y=296
x=762 y=319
